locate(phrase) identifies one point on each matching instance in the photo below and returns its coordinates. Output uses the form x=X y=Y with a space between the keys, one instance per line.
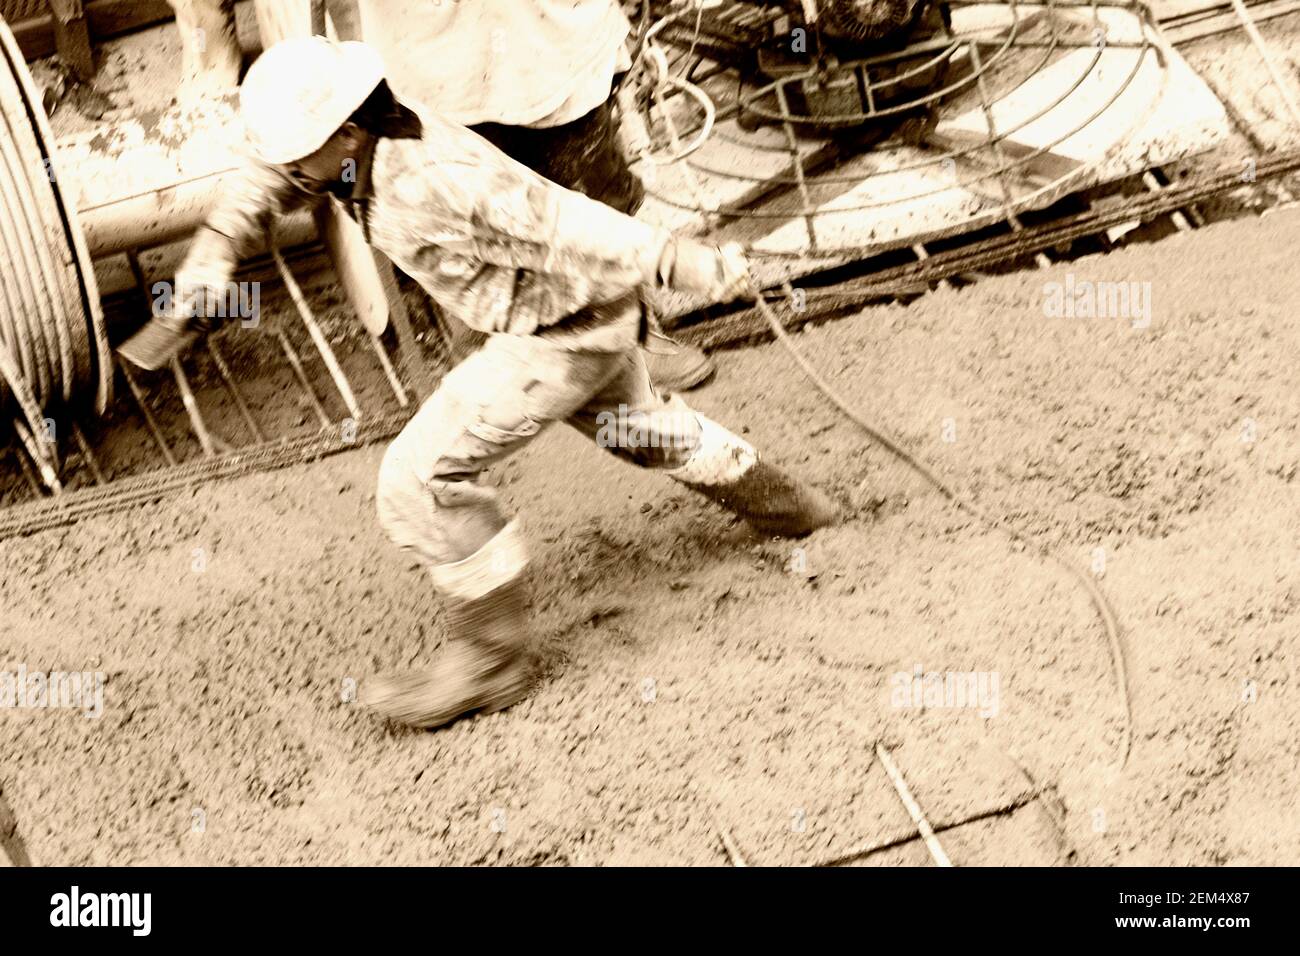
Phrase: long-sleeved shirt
x=492 y=242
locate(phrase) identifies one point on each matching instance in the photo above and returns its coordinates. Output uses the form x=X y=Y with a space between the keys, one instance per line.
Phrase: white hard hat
x=299 y=92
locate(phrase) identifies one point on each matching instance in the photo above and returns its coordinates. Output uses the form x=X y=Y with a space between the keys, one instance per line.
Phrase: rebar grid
x=217 y=456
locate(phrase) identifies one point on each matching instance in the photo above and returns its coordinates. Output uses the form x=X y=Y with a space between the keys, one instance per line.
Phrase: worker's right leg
x=433 y=506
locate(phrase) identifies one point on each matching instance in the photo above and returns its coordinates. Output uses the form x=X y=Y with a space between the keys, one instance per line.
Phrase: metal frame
x=988 y=60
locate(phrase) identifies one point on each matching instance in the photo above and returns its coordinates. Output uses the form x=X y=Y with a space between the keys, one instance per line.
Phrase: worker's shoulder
x=442 y=173
x=450 y=152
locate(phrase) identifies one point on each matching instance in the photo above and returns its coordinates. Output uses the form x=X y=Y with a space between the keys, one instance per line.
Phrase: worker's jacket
x=517 y=62
x=492 y=242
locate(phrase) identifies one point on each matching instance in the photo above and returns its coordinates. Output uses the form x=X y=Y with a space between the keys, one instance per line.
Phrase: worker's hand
x=202 y=305
x=182 y=312
x=735 y=279
x=202 y=294
x=720 y=274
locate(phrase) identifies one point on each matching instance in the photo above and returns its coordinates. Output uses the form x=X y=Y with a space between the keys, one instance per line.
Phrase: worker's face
x=331 y=166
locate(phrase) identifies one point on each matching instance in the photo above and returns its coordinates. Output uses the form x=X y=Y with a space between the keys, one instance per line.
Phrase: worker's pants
x=584 y=155
x=209 y=43
x=430 y=499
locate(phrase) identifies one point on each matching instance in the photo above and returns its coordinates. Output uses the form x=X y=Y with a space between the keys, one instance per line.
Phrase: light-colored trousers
x=430 y=500
x=210 y=47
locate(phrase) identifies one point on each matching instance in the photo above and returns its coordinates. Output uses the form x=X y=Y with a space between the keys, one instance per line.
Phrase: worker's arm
x=249 y=202
x=558 y=251
x=199 y=296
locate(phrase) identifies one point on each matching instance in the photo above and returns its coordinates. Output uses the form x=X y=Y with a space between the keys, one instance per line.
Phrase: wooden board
x=104 y=18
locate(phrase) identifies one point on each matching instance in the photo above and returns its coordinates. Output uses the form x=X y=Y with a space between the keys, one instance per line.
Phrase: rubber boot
x=675 y=366
x=726 y=469
x=774 y=502
x=483 y=666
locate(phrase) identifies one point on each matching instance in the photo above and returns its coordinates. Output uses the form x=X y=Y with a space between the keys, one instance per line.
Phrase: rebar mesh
x=16 y=10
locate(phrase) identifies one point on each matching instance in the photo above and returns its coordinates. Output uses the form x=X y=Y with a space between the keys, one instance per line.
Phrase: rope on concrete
x=891 y=445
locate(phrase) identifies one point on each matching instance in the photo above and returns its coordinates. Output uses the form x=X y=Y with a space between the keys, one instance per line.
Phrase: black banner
x=544 y=906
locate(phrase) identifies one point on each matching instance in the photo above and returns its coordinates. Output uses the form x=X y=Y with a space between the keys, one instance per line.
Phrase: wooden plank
x=109 y=18
x=104 y=19
x=355 y=266
x=1164 y=9
x=72 y=37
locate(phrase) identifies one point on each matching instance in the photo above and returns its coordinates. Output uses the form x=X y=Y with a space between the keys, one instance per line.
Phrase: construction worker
x=552 y=276
x=534 y=77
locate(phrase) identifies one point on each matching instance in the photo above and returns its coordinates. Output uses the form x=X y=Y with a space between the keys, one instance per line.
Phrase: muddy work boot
x=774 y=502
x=675 y=366
x=726 y=469
x=482 y=667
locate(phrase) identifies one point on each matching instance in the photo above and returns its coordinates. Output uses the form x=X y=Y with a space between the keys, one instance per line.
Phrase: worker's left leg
x=629 y=418
x=433 y=506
